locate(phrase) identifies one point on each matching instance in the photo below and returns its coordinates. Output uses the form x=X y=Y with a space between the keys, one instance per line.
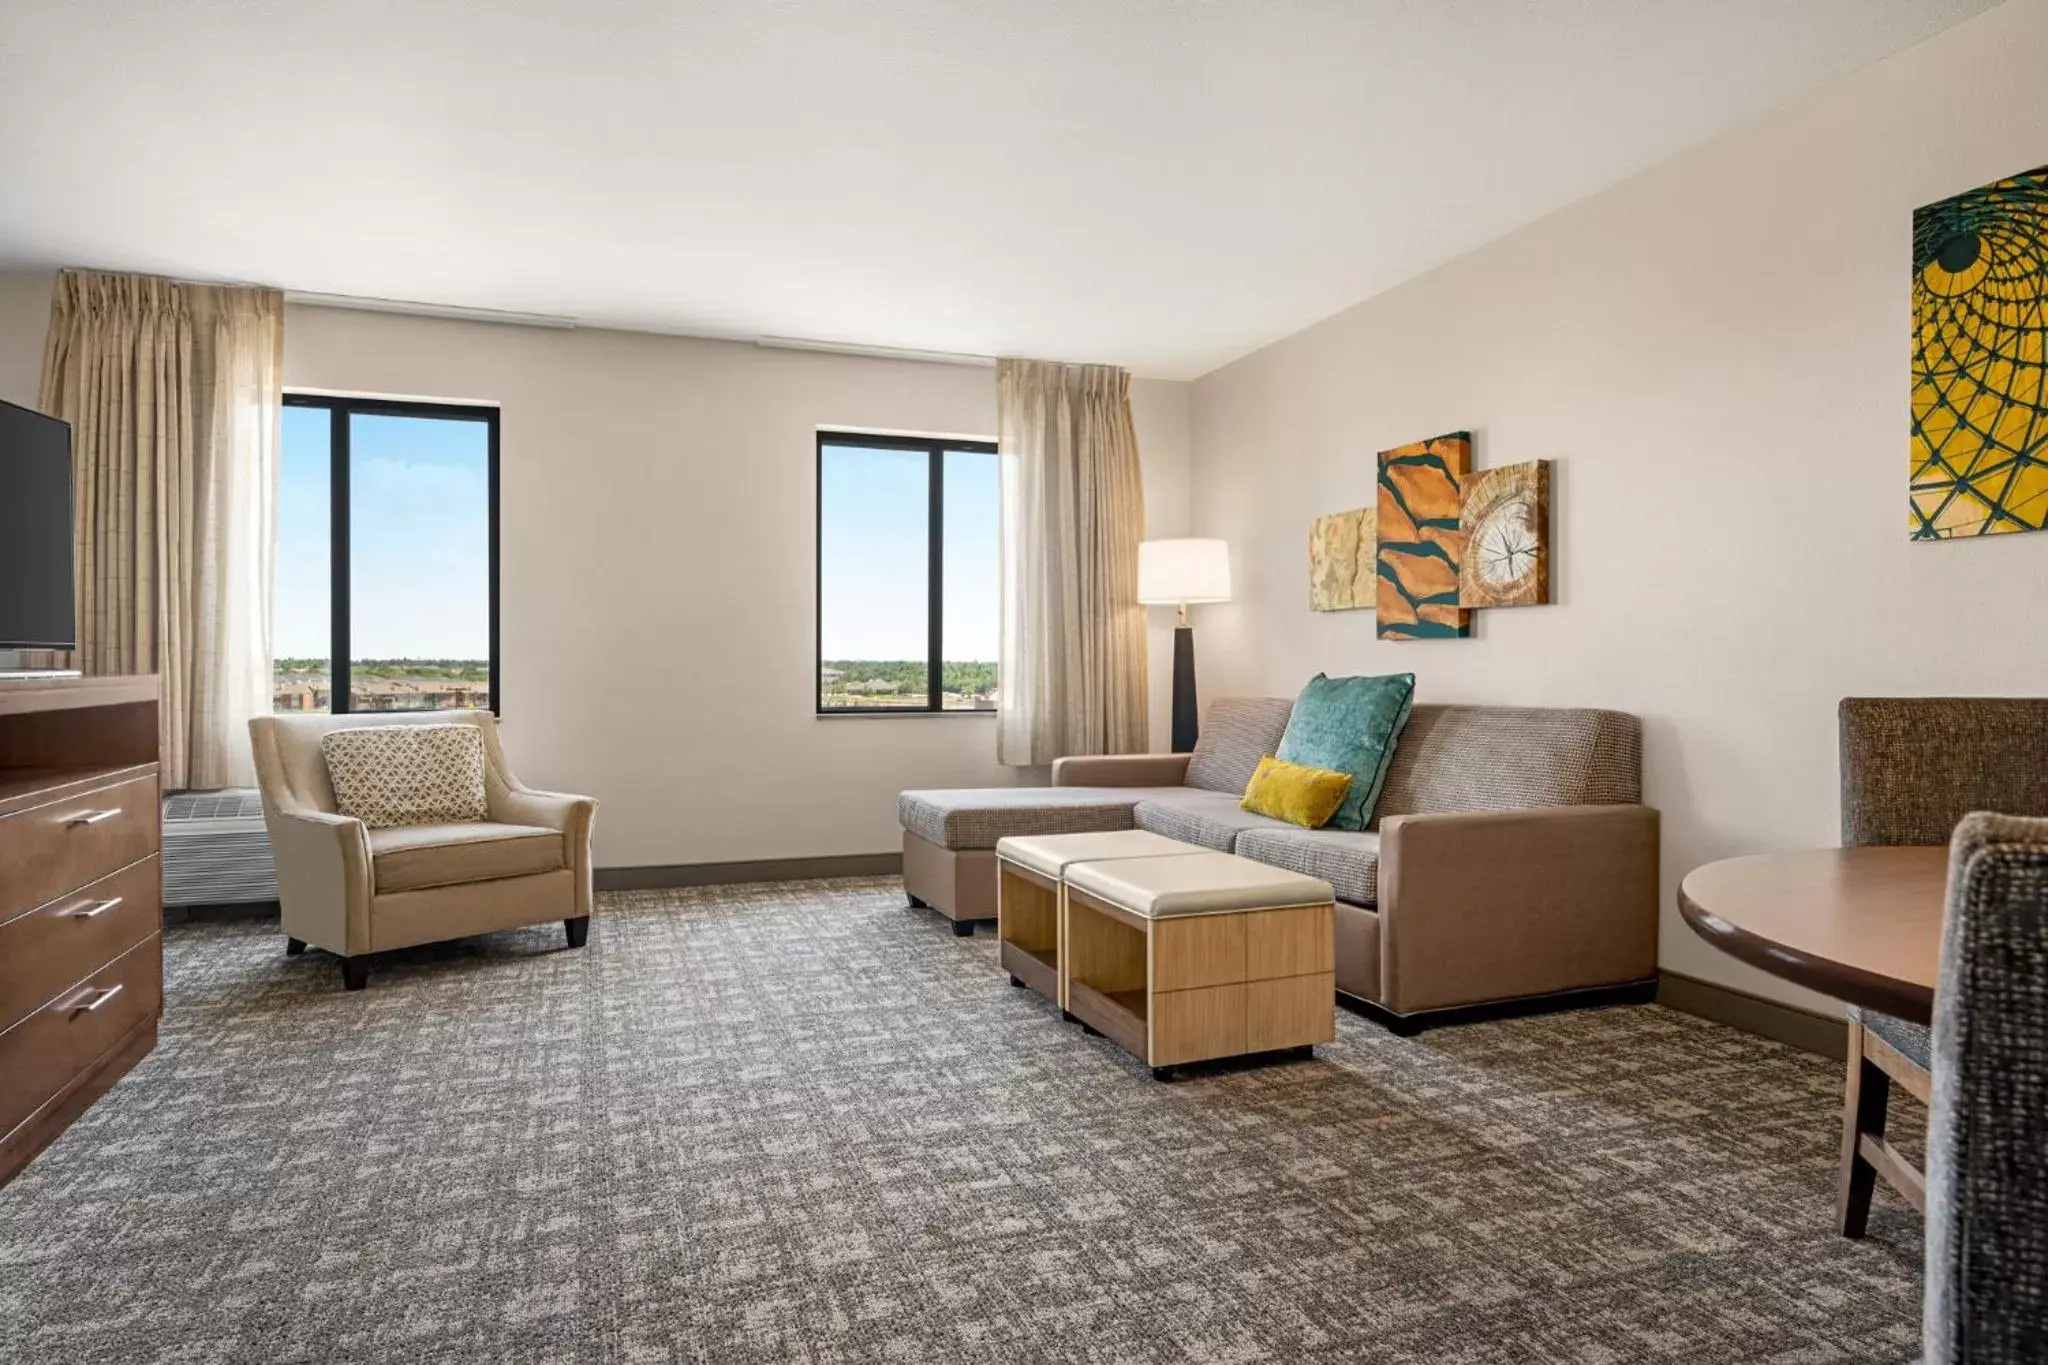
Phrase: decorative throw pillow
x=1349 y=725
x=1301 y=796
x=387 y=775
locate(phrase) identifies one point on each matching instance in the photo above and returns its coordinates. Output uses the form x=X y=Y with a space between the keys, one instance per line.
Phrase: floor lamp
x=1176 y=573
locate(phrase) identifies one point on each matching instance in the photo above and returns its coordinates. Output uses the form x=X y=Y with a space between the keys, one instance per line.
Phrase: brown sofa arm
x=1503 y=904
x=1121 y=770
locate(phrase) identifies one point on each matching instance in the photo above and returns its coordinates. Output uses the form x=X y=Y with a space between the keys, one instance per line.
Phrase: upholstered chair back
x=293 y=774
x=1482 y=758
x=1912 y=767
x=1236 y=733
x=1987 y=1136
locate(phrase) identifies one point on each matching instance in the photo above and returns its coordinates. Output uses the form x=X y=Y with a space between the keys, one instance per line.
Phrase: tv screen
x=36 y=599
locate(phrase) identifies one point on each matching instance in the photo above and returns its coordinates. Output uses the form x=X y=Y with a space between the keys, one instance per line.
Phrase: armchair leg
x=1864 y=1102
x=355 y=973
x=294 y=946
x=578 y=929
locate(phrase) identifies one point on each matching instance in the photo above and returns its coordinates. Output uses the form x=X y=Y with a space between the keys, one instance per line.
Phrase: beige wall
x=1715 y=353
x=24 y=320
x=657 y=573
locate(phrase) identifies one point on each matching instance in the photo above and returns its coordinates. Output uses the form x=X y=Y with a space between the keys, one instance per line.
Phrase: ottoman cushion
x=1052 y=854
x=975 y=817
x=1195 y=884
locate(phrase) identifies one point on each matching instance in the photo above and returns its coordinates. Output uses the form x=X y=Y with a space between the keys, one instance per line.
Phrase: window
x=907 y=562
x=387 y=556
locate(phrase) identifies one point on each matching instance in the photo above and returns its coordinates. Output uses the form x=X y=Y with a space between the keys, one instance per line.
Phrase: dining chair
x=1911 y=769
x=1987 y=1133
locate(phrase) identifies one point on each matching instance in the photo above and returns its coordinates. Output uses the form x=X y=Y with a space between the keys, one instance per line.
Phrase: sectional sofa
x=1511 y=860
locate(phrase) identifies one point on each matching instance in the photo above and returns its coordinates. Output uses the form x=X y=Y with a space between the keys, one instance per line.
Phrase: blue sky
x=873 y=553
x=419 y=500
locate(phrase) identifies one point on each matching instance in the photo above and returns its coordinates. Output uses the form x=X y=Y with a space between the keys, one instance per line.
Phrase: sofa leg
x=963 y=928
x=915 y=903
x=355 y=973
x=578 y=929
x=294 y=946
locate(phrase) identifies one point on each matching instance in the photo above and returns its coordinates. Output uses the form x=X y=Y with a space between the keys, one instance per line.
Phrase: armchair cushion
x=391 y=775
x=410 y=857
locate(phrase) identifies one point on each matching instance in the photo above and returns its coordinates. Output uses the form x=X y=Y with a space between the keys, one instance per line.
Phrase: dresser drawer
x=45 y=950
x=51 y=850
x=46 y=1051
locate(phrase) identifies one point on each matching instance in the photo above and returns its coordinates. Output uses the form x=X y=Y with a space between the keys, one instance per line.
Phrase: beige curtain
x=174 y=392
x=1073 y=635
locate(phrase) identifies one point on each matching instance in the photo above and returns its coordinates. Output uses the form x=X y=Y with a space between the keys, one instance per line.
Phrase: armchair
x=354 y=891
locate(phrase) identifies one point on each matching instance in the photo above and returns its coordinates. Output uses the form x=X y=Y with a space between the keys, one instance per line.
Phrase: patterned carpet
x=802 y=1123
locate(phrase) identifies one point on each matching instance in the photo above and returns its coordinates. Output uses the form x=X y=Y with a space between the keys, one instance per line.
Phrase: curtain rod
x=451 y=311
x=458 y=313
x=875 y=352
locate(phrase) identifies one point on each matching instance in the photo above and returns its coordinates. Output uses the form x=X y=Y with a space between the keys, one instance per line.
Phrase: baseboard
x=1590 y=997
x=1782 y=1023
x=660 y=877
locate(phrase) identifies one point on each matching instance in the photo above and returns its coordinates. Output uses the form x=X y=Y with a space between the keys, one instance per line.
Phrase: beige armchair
x=354 y=891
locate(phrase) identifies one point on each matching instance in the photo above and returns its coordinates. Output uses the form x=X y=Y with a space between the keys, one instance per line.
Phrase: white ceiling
x=1164 y=184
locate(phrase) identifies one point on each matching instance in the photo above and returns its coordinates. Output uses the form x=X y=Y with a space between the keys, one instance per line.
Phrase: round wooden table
x=1860 y=924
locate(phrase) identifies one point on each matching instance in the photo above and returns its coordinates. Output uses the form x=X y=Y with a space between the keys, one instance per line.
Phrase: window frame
x=341 y=407
x=934 y=448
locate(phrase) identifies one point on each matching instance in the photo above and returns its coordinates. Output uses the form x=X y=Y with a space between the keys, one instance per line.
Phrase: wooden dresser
x=81 y=887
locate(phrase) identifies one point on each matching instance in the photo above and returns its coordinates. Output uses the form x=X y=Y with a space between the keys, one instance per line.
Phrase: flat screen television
x=38 y=608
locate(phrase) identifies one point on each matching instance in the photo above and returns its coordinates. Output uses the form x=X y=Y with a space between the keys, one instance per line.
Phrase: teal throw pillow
x=1349 y=725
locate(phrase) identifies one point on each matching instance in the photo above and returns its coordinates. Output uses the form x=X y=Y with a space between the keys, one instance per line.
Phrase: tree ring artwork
x=1506 y=516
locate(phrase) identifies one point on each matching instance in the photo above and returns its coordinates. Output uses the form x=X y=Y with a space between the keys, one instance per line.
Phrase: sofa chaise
x=1510 y=861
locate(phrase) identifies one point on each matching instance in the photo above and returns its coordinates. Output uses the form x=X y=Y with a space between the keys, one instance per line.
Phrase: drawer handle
x=90 y=1000
x=93 y=911
x=91 y=817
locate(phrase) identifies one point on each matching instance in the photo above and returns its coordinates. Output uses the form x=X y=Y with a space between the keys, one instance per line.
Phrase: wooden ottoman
x=1199 y=956
x=1031 y=895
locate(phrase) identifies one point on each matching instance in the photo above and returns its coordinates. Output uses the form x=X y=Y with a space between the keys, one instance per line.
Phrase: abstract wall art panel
x=1342 y=575
x=1422 y=539
x=1979 y=462
x=1507 y=537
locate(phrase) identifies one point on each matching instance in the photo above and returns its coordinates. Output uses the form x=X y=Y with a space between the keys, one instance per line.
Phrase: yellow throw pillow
x=1301 y=796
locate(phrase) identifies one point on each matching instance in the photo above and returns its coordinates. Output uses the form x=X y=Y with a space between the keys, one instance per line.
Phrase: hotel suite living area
x=1116 y=682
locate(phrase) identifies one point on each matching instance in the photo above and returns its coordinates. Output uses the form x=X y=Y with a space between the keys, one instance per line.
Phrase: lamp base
x=1184 y=708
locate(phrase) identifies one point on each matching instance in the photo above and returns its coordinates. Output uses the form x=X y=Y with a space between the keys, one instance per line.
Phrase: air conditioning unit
x=216 y=850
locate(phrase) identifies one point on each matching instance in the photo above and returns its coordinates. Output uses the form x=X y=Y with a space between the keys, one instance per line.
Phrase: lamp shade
x=1178 y=571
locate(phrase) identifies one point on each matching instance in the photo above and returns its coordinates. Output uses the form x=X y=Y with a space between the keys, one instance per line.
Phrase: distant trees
x=905 y=677
x=456 y=670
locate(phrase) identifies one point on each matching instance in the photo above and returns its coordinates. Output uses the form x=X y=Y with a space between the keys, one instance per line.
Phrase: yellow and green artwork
x=1979 y=461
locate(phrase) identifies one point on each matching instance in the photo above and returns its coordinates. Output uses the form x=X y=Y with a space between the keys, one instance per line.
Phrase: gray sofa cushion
x=1348 y=860
x=1211 y=819
x=1476 y=758
x=975 y=817
x=1236 y=733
